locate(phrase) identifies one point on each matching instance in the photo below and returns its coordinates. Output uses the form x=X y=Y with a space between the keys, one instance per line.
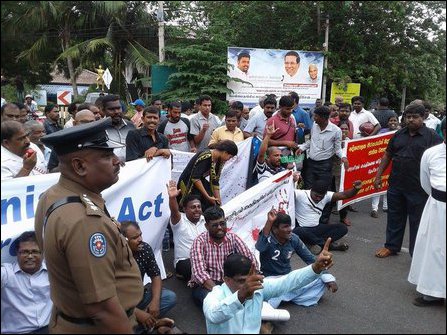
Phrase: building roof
x=86 y=77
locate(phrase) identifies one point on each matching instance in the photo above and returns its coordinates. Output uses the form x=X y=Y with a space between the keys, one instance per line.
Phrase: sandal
x=338 y=246
x=384 y=252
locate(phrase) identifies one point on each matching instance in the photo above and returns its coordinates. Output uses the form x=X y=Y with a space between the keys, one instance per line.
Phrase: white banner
x=233 y=178
x=140 y=195
x=246 y=214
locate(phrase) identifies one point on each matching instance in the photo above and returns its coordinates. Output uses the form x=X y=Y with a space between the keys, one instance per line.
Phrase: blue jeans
x=403 y=204
x=168 y=300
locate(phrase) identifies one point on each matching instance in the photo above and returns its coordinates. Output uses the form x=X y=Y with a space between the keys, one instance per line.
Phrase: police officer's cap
x=89 y=135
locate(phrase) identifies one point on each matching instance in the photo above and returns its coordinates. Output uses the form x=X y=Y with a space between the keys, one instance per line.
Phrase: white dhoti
x=428 y=266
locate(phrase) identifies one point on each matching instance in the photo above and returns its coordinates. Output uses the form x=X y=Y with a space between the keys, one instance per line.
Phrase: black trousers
x=317 y=170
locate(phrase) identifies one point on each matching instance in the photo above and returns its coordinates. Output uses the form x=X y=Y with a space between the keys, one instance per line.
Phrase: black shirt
x=139 y=140
x=146 y=262
x=406 y=153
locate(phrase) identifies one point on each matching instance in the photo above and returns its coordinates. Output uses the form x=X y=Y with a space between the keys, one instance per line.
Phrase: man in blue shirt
x=276 y=245
x=235 y=306
x=303 y=122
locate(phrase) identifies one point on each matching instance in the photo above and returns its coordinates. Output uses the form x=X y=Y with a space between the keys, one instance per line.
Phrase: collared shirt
x=88 y=259
x=119 y=135
x=243 y=123
x=275 y=257
x=256 y=124
x=286 y=127
x=51 y=126
x=26 y=303
x=433 y=169
x=185 y=232
x=361 y=117
x=222 y=133
x=265 y=171
x=301 y=116
x=406 y=152
x=323 y=144
x=432 y=121
x=225 y=314
x=207 y=257
x=11 y=164
x=146 y=261
x=308 y=212
x=139 y=140
x=197 y=122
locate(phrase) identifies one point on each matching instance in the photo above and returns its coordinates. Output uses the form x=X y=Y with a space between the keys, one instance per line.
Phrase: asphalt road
x=374 y=295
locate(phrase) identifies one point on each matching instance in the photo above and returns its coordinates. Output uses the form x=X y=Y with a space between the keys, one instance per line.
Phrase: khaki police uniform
x=88 y=260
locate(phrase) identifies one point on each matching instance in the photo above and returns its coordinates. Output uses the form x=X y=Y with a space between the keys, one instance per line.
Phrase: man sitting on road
x=209 y=251
x=276 y=245
x=185 y=228
x=235 y=306
x=26 y=302
x=309 y=205
x=156 y=301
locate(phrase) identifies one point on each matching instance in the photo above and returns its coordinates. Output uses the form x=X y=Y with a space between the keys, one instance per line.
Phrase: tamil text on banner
x=268 y=71
x=364 y=156
x=140 y=195
x=247 y=213
x=233 y=179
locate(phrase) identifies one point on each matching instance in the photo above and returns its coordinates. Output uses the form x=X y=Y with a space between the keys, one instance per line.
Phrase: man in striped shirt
x=209 y=251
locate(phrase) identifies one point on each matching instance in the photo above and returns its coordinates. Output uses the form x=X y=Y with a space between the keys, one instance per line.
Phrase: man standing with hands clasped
x=235 y=306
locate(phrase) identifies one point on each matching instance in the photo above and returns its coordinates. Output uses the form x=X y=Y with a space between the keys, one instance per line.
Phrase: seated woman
x=208 y=162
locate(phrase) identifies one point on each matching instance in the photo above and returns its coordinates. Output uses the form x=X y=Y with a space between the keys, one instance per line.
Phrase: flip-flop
x=384 y=252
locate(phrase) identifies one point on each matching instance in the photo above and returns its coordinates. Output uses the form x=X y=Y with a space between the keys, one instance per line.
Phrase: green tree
x=200 y=69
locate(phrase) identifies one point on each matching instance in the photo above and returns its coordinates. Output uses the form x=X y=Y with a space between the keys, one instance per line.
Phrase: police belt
x=438 y=195
x=86 y=321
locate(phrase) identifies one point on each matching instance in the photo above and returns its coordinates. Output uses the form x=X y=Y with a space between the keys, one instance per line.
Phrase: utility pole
x=161 y=32
x=326 y=48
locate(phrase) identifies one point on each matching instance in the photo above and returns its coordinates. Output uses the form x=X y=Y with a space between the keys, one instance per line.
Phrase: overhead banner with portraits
x=257 y=72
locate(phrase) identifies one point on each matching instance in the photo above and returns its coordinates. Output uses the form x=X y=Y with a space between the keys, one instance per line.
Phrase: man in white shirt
x=20 y=157
x=243 y=64
x=36 y=131
x=26 y=304
x=309 y=205
x=292 y=74
x=430 y=120
x=256 y=124
x=203 y=123
x=360 y=115
x=185 y=228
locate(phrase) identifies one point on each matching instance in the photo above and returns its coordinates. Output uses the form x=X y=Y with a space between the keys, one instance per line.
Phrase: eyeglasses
x=29 y=252
x=217 y=224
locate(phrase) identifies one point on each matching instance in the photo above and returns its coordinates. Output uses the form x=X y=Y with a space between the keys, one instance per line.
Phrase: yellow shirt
x=222 y=133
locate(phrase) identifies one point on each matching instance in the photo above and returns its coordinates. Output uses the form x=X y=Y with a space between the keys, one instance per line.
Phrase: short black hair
x=295 y=97
x=384 y=102
x=358 y=98
x=174 y=104
x=151 y=110
x=227 y=146
x=237 y=264
x=415 y=108
x=108 y=98
x=293 y=53
x=345 y=105
x=9 y=128
x=231 y=113
x=322 y=111
x=237 y=105
x=286 y=101
x=189 y=198
x=126 y=224
x=27 y=236
x=243 y=54
x=213 y=213
x=282 y=218
x=320 y=187
x=86 y=105
x=203 y=98
x=270 y=101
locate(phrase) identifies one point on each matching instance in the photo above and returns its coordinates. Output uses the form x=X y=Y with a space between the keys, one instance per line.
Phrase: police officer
x=95 y=281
